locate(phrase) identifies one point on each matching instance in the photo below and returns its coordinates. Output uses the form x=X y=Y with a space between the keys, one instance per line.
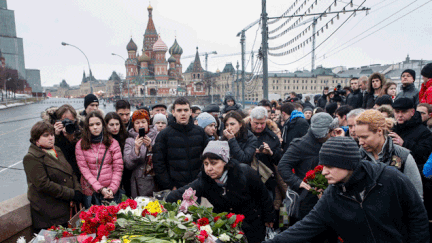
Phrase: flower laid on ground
x=189 y=199
x=224 y=237
x=21 y=240
x=316 y=180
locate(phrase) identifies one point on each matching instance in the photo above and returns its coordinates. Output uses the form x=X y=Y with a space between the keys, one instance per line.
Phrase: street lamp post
x=128 y=79
x=91 y=87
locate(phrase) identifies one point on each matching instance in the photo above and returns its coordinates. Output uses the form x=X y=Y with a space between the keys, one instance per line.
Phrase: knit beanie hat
x=307 y=108
x=340 y=152
x=219 y=148
x=159 y=118
x=321 y=123
x=90 y=98
x=410 y=71
x=205 y=119
x=427 y=71
x=140 y=114
x=384 y=100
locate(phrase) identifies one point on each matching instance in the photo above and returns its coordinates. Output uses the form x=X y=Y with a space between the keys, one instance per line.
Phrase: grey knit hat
x=159 y=118
x=340 y=152
x=219 y=148
x=321 y=124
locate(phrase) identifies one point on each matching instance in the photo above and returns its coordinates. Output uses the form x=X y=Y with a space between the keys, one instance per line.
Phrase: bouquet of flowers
x=150 y=220
x=316 y=180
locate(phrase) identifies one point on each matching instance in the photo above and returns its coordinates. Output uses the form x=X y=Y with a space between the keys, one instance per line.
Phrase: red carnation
x=230 y=215
x=201 y=238
x=203 y=221
x=310 y=175
x=241 y=232
x=234 y=225
x=88 y=240
x=318 y=168
x=66 y=234
x=204 y=233
x=239 y=218
x=216 y=218
x=110 y=226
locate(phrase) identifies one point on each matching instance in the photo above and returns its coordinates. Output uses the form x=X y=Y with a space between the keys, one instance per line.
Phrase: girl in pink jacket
x=89 y=154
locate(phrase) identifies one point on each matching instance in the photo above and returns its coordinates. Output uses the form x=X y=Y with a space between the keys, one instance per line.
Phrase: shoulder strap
x=100 y=168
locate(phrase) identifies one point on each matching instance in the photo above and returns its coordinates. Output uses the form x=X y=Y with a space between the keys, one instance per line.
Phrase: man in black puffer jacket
x=365 y=202
x=178 y=148
x=355 y=99
x=410 y=132
x=322 y=101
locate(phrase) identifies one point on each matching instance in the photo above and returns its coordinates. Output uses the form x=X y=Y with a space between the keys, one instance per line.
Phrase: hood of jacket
x=413 y=122
x=229 y=97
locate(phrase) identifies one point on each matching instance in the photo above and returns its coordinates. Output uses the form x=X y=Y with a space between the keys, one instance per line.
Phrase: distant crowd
x=374 y=146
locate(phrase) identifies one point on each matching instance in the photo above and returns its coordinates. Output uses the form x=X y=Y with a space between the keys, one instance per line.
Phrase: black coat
x=243 y=148
x=377 y=204
x=68 y=149
x=269 y=137
x=369 y=101
x=176 y=154
x=355 y=99
x=235 y=107
x=417 y=138
x=244 y=194
x=296 y=128
x=302 y=156
x=322 y=101
x=308 y=104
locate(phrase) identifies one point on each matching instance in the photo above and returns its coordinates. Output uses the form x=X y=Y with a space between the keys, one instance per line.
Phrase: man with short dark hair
x=322 y=101
x=410 y=132
x=364 y=202
x=408 y=88
x=123 y=110
x=355 y=99
x=178 y=148
x=295 y=124
x=425 y=111
x=267 y=105
x=341 y=115
x=195 y=111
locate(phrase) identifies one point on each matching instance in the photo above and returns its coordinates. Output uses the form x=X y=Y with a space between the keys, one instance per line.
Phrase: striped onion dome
x=159 y=45
x=175 y=49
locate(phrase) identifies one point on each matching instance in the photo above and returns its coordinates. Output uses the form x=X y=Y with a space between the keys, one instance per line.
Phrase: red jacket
x=425 y=95
x=112 y=168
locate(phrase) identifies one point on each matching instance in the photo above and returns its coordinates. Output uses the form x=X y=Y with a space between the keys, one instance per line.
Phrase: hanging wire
x=289 y=19
x=283 y=15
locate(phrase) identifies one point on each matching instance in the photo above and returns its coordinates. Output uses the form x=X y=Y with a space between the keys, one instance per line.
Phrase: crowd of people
x=373 y=144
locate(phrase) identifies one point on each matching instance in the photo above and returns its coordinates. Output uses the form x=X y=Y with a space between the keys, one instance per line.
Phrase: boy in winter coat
x=364 y=202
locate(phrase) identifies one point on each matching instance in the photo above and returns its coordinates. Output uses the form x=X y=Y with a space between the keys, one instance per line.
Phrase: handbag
x=263 y=170
x=97 y=198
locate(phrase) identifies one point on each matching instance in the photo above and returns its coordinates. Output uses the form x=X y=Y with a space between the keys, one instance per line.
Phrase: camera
x=338 y=93
x=69 y=125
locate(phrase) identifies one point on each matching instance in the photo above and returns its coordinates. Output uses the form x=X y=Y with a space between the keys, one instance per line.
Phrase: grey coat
x=409 y=166
x=141 y=184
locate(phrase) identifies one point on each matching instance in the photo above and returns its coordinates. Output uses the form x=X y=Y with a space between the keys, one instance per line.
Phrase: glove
x=78 y=197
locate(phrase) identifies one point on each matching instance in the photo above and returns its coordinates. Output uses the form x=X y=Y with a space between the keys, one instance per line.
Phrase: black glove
x=78 y=197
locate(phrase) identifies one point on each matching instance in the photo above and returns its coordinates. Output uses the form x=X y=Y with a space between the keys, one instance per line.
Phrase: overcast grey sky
x=102 y=27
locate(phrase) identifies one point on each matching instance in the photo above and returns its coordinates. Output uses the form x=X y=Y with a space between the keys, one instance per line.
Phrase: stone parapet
x=15 y=219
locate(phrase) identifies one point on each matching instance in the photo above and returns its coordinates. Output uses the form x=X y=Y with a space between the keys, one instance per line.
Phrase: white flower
x=125 y=211
x=103 y=240
x=21 y=240
x=207 y=228
x=142 y=201
x=137 y=212
x=224 y=237
x=181 y=214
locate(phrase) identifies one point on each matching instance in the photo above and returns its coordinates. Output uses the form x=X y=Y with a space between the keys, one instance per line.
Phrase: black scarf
x=97 y=139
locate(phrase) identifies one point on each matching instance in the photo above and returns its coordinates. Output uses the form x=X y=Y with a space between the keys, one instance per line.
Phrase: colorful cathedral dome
x=175 y=49
x=159 y=45
x=144 y=58
x=131 y=46
x=172 y=59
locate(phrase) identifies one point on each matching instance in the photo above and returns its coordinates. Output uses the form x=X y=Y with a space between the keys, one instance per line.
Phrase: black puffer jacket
x=302 y=156
x=377 y=204
x=269 y=137
x=355 y=99
x=409 y=91
x=177 y=152
x=296 y=128
x=417 y=138
x=322 y=101
x=244 y=194
x=243 y=148
x=236 y=106
x=369 y=101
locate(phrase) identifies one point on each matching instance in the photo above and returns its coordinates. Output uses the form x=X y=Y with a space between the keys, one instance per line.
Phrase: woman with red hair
x=137 y=154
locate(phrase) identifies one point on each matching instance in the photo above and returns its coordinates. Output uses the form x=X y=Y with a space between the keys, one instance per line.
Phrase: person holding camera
x=67 y=132
x=137 y=154
x=99 y=159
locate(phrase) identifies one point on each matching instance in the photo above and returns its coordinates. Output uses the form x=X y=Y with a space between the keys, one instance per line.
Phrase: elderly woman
x=52 y=183
x=137 y=154
x=241 y=141
x=232 y=187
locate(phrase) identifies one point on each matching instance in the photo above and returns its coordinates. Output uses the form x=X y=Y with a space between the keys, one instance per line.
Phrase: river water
x=15 y=125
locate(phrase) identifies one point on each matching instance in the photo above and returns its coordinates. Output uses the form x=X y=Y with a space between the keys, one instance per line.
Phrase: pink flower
x=189 y=199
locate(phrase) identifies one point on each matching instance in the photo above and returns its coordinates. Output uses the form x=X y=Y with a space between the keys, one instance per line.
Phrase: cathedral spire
x=197 y=63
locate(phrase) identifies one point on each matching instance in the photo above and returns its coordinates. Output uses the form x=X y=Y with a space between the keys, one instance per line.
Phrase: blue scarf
x=345 y=128
x=296 y=114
